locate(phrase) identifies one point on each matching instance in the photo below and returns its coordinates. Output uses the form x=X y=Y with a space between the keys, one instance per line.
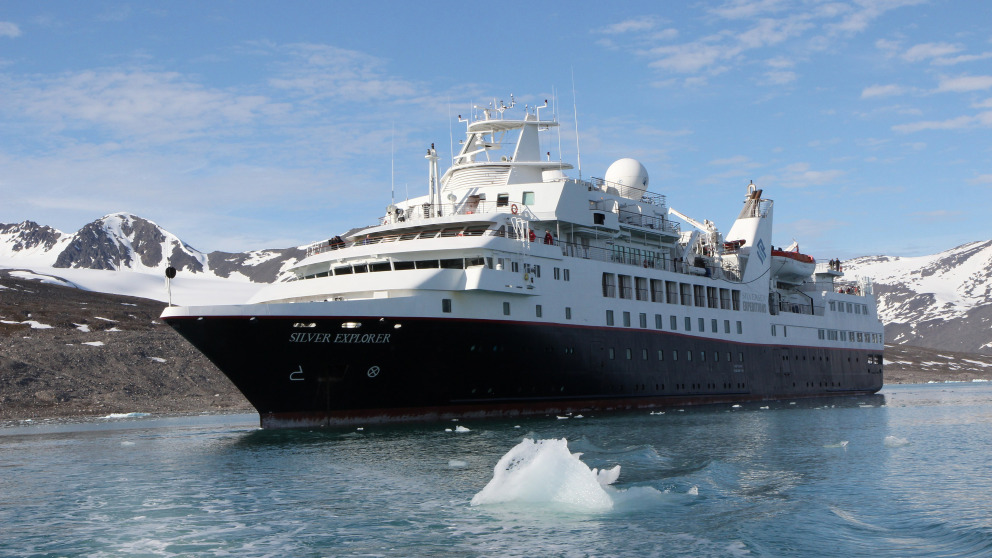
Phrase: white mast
x=434 y=194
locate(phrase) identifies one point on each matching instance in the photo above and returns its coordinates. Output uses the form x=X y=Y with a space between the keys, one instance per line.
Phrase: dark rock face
x=93 y=248
x=28 y=235
x=267 y=271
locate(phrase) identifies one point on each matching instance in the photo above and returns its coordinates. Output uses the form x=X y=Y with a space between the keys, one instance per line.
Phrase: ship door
x=783 y=363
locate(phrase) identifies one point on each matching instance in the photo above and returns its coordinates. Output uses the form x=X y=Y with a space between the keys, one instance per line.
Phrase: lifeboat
x=792 y=266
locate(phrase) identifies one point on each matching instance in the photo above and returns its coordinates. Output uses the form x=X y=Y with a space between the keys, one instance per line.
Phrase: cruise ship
x=511 y=289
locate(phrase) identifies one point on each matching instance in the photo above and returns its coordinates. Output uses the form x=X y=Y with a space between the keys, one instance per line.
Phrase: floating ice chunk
x=93 y=343
x=841 y=444
x=895 y=441
x=735 y=406
x=157 y=359
x=657 y=412
x=82 y=327
x=562 y=418
x=764 y=408
x=545 y=472
x=578 y=416
x=694 y=491
x=461 y=428
x=457 y=463
x=125 y=415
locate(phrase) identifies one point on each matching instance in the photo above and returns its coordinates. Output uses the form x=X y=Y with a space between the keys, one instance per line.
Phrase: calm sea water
x=904 y=473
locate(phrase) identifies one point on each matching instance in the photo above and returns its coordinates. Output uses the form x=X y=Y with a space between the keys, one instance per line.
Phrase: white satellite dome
x=629 y=176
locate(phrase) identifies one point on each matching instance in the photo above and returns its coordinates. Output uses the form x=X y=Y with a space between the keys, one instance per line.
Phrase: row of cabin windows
x=451 y=263
x=851 y=307
x=852 y=336
x=673 y=323
x=672 y=292
x=538 y=309
x=674 y=355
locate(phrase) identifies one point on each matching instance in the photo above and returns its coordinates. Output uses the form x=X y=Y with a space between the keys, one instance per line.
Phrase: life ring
x=526 y=276
x=513 y=209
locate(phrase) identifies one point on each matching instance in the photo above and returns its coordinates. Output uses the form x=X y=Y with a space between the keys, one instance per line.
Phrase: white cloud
x=964 y=84
x=324 y=71
x=982 y=179
x=961 y=59
x=8 y=29
x=983 y=119
x=799 y=175
x=929 y=50
x=736 y=160
x=742 y=9
x=630 y=26
x=779 y=77
x=987 y=103
x=882 y=91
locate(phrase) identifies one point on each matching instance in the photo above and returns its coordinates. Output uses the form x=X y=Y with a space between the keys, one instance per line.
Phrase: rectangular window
x=609 y=285
x=446 y=305
x=821 y=333
x=537 y=271
x=557 y=273
x=699 y=293
x=644 y=319
x=626 y=319
x=688 y=355
x=629 y=355
x=726 y=326
x=613 y=355
x=675 y=354
x=713 y=326
x=857 y=309
x=502 y=200
x=725 y=299
x=740 y=328
x=785 y=331
x=740 y=357
x=850 y=310
x=672 y=292
x=702 y=356
x=528 y=198
x=626 y=289
x=568 y=313
x=515 y=267
x=702 y=325
x=711 y=299
x=641 y=288
x=609 y=317
x=843 y=335
x=685 y=289
x=657 y=321
x=735 y=299
x=674 y=323
x=657 y=290
x=774 y=333
x=506 y=308
x=567 y=276
x=833 y=305
x=688 y=323
x=661 y=354
x=644 y=354
x=537 y=310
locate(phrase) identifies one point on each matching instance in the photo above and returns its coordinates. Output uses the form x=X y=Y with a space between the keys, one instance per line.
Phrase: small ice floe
x=125 y=415
x=114 y=329
x=127 y=443
x=578 y=416
x=694 y=491
x=792 y=402
x=104 y=319
x=765 y=408
x=82 y=327
x=461 y=428
x=979 y=380
x=93 y=343
x=562 y=418
x=157 y=359
x=127 y=304
x=33 y=323
x=656 y=413
x=735 y=406
x=544 y=472
x=457 y=464
x=516 y=426
x=841 y=444
x=895 y=442
x=360 y=428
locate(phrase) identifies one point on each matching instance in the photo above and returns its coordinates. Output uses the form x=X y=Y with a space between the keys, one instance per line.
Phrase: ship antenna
x=554 y=98
x=392 y=165
x=451 y=134
x=575 y=107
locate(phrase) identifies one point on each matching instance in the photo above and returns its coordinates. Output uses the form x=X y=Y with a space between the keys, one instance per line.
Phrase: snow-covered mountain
x=125 y=242
x=941 y=301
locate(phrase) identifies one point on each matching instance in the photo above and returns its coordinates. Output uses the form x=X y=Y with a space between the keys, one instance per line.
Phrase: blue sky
x=246 y=125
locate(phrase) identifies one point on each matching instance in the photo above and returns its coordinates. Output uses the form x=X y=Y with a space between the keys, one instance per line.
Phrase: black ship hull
x=317 y=371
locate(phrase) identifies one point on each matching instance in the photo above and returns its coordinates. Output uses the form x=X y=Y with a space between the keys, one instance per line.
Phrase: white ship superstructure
x=511 y=288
